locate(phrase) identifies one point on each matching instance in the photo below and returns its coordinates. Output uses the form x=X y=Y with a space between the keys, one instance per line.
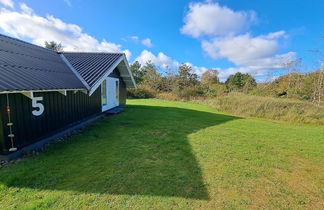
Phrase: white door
x=109 y=93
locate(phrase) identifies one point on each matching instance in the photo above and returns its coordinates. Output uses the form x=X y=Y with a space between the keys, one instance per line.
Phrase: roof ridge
x=44 y=48
x=29 y=66
x=25 y=42
x=7 y=51
x=76 y=52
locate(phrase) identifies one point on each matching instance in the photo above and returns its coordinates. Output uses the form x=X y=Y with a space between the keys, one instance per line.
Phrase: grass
x=269 y=108
x=173 y=155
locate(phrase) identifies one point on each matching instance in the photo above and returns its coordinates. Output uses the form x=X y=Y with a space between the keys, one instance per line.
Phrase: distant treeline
x=185 y=84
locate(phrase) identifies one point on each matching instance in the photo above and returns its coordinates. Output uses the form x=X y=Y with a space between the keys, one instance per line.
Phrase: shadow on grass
x=143 y=151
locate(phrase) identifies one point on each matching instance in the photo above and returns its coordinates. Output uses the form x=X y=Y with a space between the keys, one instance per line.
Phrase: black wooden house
x=43 y=92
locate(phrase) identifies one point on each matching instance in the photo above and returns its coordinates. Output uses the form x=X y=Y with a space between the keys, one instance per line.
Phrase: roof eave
x=129 y=71
x=109 y=71
x=42 y=90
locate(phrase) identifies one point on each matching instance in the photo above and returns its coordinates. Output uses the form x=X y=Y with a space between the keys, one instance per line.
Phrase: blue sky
x=253 y=36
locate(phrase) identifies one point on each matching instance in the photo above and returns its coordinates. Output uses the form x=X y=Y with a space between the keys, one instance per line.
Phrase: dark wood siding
x=122 y=92
x=60 y=111
x=122 y=86
x=1 y=133
x=115 y=73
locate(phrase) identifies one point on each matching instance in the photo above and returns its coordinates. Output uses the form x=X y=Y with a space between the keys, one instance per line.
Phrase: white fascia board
x=63 y=92
x=37 y=91
x=98 y=83
x=75 y=71
x=129 y=71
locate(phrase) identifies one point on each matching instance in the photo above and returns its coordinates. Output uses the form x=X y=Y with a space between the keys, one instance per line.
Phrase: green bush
x=214 y=90
x=240 y=82
x=141 y=91
x=190 y=92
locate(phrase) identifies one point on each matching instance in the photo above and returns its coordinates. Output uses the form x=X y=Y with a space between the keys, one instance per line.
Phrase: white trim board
x=111 y=94
x=36 y=91
x=129 y=71
x=111 y=69
x=75 y=71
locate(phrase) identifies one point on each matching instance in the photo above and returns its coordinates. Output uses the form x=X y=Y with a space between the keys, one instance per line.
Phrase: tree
x=137 y=72
x=151 y=76
x=210 y=77
x=53 y=45
x=170 y=81
x=293 y=66
x=319 y=87
x=239 y=81
x=250 y=84
x=286 y=85
x=185 y=77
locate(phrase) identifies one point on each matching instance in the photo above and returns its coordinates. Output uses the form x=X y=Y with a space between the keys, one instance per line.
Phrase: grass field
x=169 y=155
x=290 y=110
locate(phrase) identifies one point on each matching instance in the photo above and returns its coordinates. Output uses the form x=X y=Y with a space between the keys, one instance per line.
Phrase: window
x=117 y=91
x=104 y=93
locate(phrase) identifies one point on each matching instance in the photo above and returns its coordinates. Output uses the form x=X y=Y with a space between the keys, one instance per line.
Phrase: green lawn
x=170 y=155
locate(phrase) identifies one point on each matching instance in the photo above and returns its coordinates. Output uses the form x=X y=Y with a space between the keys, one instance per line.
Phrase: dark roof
x=25 y=66
x=92 y=66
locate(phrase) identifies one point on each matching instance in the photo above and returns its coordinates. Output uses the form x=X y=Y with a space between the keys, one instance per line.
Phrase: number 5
x=36 y=104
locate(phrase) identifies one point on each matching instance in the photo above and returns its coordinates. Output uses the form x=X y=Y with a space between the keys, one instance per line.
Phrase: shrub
x=215 y=90
x=241 y=82
x=167 y=96
x=141 y=91
x=187 y=94
x=190 y=92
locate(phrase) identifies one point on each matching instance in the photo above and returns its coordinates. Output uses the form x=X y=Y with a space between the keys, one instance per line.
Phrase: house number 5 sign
x=39 y=107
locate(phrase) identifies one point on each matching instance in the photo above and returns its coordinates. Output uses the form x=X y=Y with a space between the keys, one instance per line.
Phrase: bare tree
x=210 y=77
x=319 y=85
x=293 y=67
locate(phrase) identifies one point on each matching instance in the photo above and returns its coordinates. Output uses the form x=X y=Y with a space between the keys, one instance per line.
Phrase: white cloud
x=163 y=61
x=25 y=9
x=8 y=3
x=27 y=24
x=68 y=2
x=264 y=67
x=199 y=70
x=253 y=55
x=213 y=19
x=147 y=42
x=277 y=34
x=134 y=38
x=244 y=49
x=223 y=34
x=254 y=71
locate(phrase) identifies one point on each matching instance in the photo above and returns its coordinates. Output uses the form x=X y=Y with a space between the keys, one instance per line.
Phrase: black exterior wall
x=122 y=87
x=1 y=131
x=122 y=92
x=59 y=111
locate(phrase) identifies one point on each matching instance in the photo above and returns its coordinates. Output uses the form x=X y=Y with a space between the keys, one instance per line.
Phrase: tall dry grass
x=258 y=106
x=268 y=107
